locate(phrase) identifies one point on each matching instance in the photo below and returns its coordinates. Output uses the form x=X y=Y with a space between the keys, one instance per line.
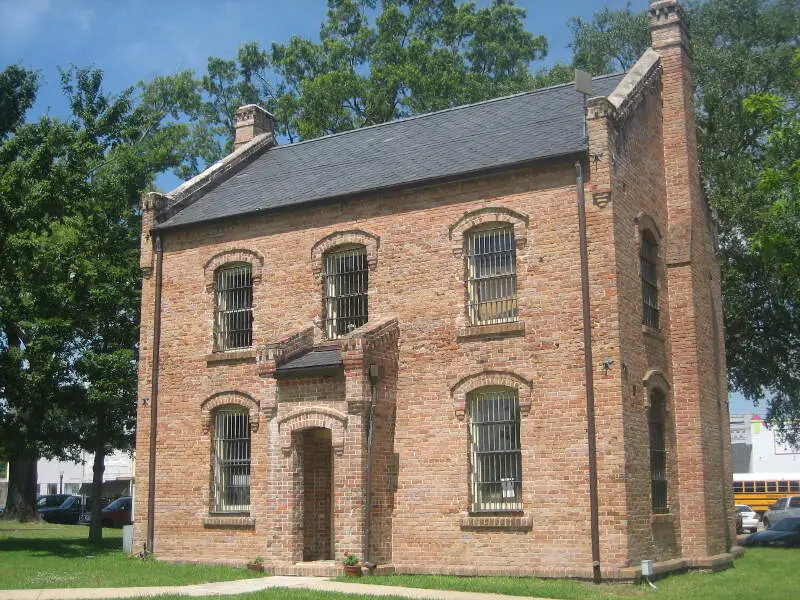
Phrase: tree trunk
x=21 y=500
x=98 y=468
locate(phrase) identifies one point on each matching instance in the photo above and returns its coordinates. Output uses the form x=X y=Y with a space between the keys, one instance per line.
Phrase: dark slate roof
x=467 y=139
x=326 y=356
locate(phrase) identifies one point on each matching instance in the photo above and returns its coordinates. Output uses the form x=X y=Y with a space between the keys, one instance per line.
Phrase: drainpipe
x=589 y=375
x=373 y=379
x=151 y=475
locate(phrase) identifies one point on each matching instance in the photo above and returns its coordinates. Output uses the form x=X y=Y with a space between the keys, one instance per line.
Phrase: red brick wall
x=420 y=498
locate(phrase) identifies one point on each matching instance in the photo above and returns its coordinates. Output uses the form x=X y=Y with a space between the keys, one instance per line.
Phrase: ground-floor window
x=231 y=460
x=495 y=452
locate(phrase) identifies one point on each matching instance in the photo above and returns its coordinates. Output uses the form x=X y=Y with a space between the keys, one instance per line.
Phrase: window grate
x=658 y=456
x=496 y=456
x=491 y=276
x=233 y=325
x=648 y=256
x=345 y=286
x=231 y=461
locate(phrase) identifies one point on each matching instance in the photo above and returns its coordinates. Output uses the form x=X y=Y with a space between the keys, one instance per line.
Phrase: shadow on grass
x=61 y=547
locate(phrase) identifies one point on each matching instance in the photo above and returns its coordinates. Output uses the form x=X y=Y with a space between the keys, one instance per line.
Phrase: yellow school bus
x=760 y=490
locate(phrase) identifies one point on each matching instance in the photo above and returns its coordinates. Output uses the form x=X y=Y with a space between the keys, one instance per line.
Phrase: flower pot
x=352 y=570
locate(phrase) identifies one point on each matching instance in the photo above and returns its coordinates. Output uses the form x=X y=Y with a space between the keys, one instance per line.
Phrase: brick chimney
x=251 y=121
x=670 y=36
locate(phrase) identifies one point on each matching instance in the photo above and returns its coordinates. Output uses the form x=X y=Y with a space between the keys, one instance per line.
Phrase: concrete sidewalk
x=245 y=586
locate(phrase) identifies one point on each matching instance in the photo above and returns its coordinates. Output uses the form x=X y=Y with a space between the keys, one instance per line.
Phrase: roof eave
x=543 y=160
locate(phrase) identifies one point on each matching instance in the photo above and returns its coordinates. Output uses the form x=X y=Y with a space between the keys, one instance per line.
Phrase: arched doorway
x=316 y=457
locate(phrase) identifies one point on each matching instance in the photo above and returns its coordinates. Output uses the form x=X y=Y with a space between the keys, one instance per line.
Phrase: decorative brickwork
x=318 y=486
x=237 y=255
x=491 y=214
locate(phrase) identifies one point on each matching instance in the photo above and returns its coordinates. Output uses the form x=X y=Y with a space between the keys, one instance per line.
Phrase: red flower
x=346 y=553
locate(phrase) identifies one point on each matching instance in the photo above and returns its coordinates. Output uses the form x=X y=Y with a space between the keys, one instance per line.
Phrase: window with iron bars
x=233 y=323
x=491 y=275
x=495 y=452
x=345 y=279
x=231 y=461
x=658 y=453
x=648 y=257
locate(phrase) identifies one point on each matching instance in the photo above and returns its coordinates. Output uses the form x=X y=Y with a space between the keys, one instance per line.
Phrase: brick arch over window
x=656 y=381
x=341 y=238
x=645 y=222
x=492 y=214
x=308 y=418
x=461 y=389
x=229 y=398
x=238 y=255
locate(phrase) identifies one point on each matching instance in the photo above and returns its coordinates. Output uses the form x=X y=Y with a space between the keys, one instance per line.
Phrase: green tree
x=69 y=194
x=747 y=99
x=612 y=41
x=376 y=60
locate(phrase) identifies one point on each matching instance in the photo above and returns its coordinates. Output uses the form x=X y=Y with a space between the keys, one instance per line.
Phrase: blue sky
x=131 y=40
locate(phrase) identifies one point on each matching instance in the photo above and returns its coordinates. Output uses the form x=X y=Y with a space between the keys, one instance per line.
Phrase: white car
x=749 y=518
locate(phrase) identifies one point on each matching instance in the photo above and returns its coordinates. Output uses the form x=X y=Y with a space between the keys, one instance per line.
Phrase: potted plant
x=351 y=566
x=256 y=565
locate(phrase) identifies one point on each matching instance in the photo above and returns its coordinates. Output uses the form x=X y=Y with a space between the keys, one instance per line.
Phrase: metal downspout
x=151 y=475
x=589 y=375
x=373 y=379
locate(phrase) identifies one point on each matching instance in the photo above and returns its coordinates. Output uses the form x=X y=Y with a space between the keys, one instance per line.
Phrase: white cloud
x=20 y=19
x=25 y=20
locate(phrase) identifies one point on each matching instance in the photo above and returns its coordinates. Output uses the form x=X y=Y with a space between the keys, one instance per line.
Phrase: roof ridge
x=438 y=112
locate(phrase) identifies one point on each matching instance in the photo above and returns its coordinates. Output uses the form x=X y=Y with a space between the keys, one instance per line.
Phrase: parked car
x=60 y=508
x=785 y=532
x=783 y=507
x=748 y=520
x=118 y=513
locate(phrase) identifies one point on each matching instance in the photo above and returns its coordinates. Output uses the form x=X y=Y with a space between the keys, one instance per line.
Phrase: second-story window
x=491 y=275
x=345 y=278
x=233 y=323
x=648 y=265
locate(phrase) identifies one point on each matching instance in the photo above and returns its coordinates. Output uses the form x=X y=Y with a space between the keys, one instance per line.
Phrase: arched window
x=495 y=451
x=231 y=460
x=656 y=418
x=233 y=298
x=491 y=274
x=648 y=268
x=345 y=279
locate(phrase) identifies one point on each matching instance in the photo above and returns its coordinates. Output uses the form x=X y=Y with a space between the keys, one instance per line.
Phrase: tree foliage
x=747 y=98
x=69 y=193
x=376 y=60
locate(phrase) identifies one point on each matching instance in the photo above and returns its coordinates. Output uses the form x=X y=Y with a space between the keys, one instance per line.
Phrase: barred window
x=231 y=460
x=233 y=323
x=658 y=452
x=345 y=284
x=491 y=275
x=648 y=257
x=495 y=453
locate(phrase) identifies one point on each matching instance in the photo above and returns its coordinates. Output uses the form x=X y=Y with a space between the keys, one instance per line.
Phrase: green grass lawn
x=59 y=556
x=772 y=573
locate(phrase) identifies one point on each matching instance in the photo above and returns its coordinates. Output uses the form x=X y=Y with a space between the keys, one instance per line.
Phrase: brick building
x=374 y=342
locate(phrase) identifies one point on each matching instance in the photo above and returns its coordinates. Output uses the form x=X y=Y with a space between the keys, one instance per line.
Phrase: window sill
x=652 y=332
x=496 y=329
x=661 y=518
x=229 y=522
x=231 y=356
x=510 y=522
